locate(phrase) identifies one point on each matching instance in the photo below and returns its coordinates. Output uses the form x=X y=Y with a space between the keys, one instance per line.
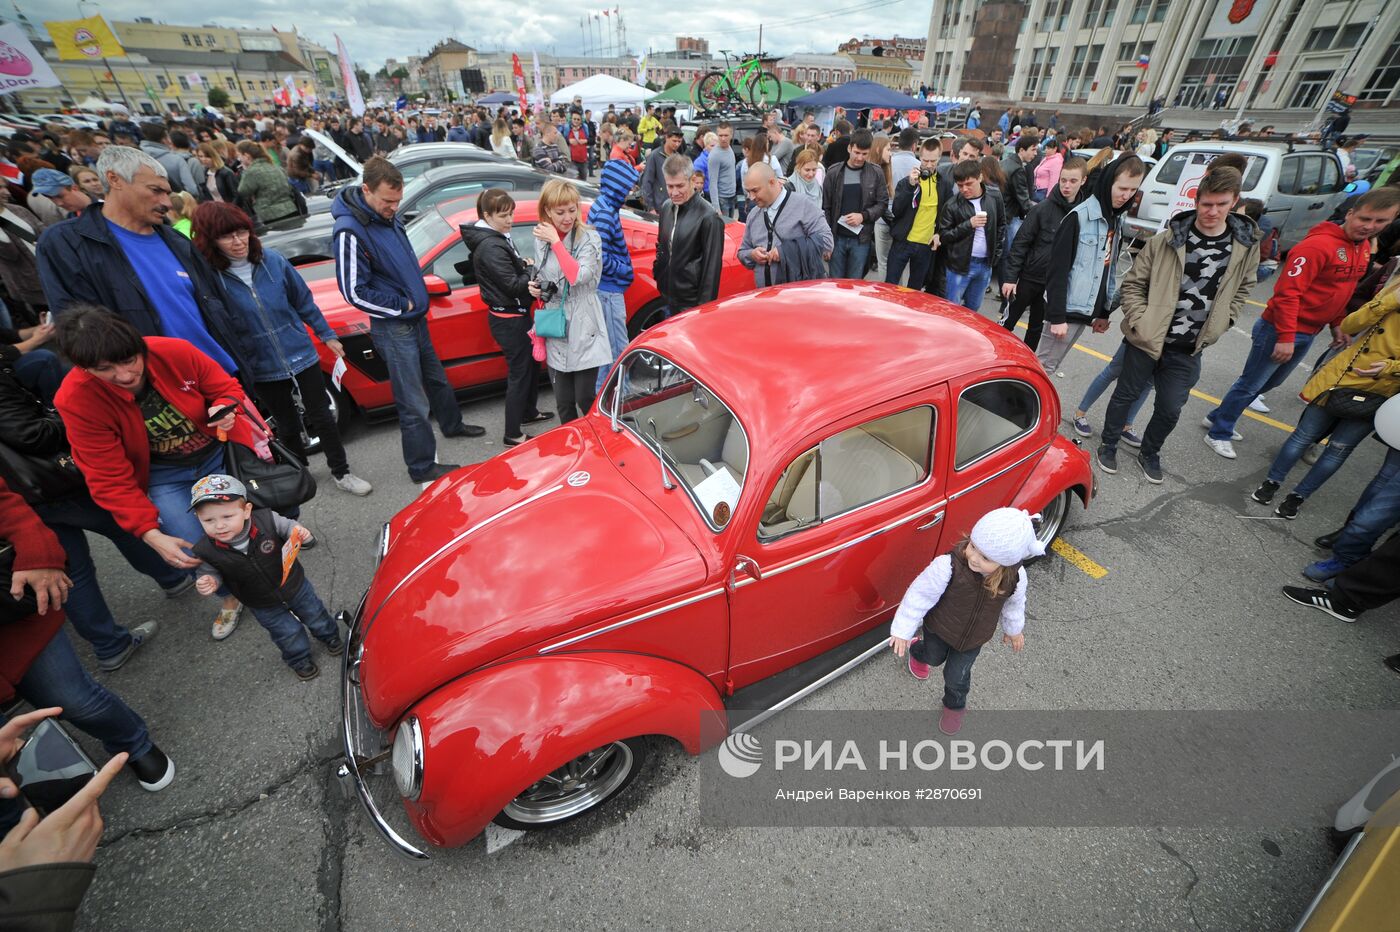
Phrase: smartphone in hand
x=220 y=414
x=50 y=767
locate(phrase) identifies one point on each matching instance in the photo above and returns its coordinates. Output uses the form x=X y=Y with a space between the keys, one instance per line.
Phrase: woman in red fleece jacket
x=137 y=411
x=37 y=663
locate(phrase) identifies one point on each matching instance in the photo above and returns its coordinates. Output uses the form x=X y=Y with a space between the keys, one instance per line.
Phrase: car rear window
x=991 y=415
x=1169 y=171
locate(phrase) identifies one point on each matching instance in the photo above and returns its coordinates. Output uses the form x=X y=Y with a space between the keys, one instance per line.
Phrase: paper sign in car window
x=718 y=490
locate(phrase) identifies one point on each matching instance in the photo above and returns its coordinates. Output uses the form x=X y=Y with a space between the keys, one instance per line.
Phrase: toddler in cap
x=959 y=600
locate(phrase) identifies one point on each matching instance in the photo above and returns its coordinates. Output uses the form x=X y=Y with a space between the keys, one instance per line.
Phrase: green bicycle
x=744 y=82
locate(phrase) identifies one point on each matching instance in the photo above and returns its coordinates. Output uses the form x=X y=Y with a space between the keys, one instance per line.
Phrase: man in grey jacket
x=724 y=184
x=156 y=144
x=786 y=238
x=653 y=183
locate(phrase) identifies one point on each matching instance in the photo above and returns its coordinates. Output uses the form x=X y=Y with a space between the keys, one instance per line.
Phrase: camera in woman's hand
x=548 y=290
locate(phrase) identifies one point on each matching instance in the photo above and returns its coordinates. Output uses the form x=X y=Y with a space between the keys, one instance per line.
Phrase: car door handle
x=748 y=566
x=1317 y=205
x=932 y=522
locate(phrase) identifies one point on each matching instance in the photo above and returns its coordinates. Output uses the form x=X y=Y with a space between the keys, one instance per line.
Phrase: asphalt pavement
x=1186 y=614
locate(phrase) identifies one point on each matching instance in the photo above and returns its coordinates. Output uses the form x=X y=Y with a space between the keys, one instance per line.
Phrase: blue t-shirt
x=171 y=291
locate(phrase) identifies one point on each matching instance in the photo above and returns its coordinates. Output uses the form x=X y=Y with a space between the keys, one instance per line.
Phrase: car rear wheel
x=1052 y=518
x=580 y=786
x=650 y=314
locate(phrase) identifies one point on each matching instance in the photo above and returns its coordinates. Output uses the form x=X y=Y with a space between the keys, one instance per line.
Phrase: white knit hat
x=1007 y=536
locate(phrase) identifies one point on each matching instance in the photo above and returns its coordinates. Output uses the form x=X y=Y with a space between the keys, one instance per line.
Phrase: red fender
x=1064 y=466
x=488 y=736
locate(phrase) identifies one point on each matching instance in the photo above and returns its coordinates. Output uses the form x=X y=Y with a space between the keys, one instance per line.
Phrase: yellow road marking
x=1078 y=558
x=1261 y=418
x=1254 y=302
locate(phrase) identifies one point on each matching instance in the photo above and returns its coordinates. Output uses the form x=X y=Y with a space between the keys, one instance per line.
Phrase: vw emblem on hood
x=579 y=479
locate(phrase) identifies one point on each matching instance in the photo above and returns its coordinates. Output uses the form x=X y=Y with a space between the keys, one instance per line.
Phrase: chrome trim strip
x=699 y=597
x=349 y=769
x=1000 y=472
x=807 y=690
x=452 y=543
x=1337 y=866
x=783 y=568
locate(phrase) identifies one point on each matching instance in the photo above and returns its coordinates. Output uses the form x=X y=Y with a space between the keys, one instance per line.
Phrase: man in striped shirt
x=377 y=271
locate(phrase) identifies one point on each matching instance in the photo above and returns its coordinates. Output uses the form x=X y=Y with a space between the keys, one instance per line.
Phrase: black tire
x=765 y=91
x=549 y=802
x=649 y=315
x=712 y=90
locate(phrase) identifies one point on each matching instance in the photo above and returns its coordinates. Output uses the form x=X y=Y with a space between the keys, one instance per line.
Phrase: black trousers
x=1374 y=581
x=319 y=421
x=1030 y=296
x=574 y=392
x=512 y=334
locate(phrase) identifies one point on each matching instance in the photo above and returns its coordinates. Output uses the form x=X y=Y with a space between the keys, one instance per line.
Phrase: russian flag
x=1142 y=61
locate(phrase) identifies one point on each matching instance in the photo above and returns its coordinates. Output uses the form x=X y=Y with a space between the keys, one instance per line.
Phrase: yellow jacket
x=1376 y=326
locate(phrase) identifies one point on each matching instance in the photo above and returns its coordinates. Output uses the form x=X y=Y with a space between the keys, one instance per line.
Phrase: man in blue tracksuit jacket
x=378 y=273
x=616 y=182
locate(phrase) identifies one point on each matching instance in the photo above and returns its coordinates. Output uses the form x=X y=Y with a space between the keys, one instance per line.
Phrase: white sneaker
x=1235 y=435
x=226 y=622
x=1258 y=405
x=353 y=484
x=1223 y=447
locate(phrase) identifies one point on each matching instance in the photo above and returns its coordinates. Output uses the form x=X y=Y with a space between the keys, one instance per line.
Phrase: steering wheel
x=710 y=468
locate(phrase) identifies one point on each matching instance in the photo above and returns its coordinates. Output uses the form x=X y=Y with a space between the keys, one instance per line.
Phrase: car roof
x=791 y=357
x=430 y=149
x=450 y=170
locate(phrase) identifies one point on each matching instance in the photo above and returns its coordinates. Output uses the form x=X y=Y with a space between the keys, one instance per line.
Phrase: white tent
x=600 y=90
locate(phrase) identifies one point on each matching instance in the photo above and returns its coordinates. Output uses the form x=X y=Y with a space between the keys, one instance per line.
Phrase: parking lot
x=1166 y=597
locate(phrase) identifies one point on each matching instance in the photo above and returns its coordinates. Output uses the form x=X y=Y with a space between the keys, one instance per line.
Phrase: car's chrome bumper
x=366 y=747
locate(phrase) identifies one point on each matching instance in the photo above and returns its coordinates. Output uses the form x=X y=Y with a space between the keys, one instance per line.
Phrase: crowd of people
x=134 y=253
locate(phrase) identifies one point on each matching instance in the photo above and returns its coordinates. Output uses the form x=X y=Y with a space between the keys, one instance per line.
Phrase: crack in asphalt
x=1190 y=887
x=230 y=811
x=330 y=875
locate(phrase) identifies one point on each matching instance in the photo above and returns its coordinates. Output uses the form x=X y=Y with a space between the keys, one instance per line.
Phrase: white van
x=1299 y=186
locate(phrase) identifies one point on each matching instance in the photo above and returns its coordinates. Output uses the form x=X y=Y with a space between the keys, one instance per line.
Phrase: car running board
x=755 y=704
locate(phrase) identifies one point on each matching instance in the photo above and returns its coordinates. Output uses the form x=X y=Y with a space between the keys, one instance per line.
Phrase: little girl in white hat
x=960 y=598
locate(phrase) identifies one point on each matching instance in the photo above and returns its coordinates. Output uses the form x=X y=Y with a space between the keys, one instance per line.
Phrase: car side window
x=1288 y=175
x=1170 y=170
x=414 y=169
x=454 y=266
x=454 y=190
x=1331 y=175
x=523 y=236
x=1310 y=174
x=991 y=415
x=850 y=469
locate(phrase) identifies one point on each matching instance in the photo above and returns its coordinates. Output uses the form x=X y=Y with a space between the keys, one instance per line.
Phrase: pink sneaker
x=950 y=721
x=916 y=667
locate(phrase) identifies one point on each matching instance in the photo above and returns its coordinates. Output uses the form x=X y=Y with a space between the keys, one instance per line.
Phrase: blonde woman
x=88 y=179
x=880 y=157
x=501 y=143
x=569 y=260
x=220 y=183
x=1147 y=143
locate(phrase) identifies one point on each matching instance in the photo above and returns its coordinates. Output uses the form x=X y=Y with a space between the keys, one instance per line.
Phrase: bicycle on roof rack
x=741 y=82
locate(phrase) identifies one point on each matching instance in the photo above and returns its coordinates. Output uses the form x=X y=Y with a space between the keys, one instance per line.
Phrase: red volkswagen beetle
x=457 y=317
x=737 y=517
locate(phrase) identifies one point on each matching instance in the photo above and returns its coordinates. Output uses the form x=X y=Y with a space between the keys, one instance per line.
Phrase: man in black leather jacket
x=690 y=244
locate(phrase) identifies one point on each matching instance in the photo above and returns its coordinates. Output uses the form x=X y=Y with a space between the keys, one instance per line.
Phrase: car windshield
x=702 y=445
x=1175 y=161
x=426 y=231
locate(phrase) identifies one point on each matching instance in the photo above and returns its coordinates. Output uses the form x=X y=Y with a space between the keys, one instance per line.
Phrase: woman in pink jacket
x=1047 y=173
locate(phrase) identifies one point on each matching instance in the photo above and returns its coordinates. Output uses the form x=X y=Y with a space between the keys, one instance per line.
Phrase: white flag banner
x=539 y=89
x=194 y=79
x=293 y=95
x=642 y=69
x=21 y=65
x=352 y=84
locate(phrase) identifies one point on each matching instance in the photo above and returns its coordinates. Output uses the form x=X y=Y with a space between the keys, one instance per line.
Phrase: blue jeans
x=169 y=490
x=726 y=205
x=918 y=256
x=967 y=288
x=1261 y=374
x=1107 y=377
x=1174 y=375
x=57 y=678
x=420 y=388
x=326 y=167
x=848 y=257
x=957 y=666
x=1315 y=424
x=41 y=372
x=1013 y=226
x=86 y=607
x=284 y=624
x=615 y=313
x=1377 y=510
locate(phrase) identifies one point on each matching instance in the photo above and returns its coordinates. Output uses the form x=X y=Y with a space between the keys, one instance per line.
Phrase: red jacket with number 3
x=1316 y=281
x=108 y=434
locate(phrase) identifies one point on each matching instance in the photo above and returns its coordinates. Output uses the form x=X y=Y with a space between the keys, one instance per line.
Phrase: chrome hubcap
x=1052 y=517
x=576 y=787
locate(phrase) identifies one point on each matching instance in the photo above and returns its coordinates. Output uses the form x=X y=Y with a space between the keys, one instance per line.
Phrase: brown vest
x=967 y=614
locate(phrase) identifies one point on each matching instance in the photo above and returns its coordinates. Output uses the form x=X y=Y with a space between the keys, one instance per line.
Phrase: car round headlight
x=408 y=758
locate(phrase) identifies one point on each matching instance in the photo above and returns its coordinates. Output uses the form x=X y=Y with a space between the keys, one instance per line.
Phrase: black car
x=308 y=239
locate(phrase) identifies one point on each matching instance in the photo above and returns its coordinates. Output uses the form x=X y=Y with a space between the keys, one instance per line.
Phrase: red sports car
x=457 y=316
x=733 y=523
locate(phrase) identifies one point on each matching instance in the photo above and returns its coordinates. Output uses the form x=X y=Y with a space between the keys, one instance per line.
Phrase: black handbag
x=1353 y=404
x=12 y=609
x=39 y=479
x=280 y=485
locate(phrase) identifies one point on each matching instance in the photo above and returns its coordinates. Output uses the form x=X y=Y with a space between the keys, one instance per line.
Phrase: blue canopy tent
x=862 y=95
x=500 y=97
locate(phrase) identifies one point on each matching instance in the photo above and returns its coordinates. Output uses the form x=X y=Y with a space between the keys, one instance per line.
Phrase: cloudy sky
x=376 y=29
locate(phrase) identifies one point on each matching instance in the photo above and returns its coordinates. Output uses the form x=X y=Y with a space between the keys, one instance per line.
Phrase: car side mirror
x=408 y=215
x=437 y=286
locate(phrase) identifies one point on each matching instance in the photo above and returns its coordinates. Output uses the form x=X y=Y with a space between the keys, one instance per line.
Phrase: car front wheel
x=581 y=785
